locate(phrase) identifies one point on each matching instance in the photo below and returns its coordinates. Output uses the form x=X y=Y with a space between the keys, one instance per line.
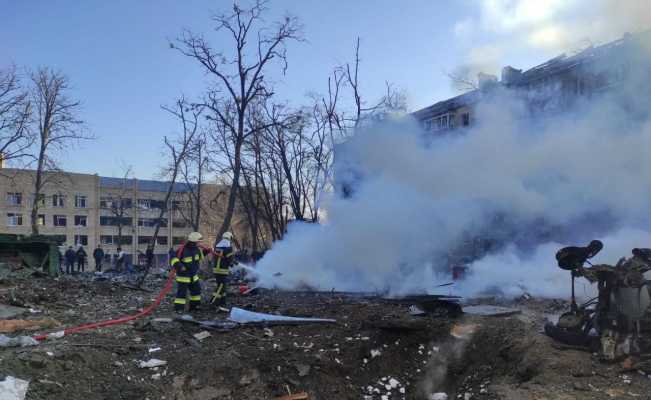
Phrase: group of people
x=72 y=257
x=79 y=258
x=186 y=262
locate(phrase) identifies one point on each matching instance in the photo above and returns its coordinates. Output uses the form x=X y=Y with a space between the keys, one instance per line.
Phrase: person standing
x=70 y=257
x=60 y=261
x=149 y=256
x=98 y=255
x=224 y=259
x=119 y=262
x=81 y=259
x=186 y=263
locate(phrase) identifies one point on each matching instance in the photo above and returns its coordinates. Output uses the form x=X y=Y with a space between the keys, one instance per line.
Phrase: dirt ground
x=376 y=350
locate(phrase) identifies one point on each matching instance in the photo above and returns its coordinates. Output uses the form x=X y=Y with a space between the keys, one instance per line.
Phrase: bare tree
x=57 y=126
x=15 y=111
x=279 y=171
x=287 y=158
x=463 y=78
x=239 y=77
x=332 y=123
x=178 y=151
x=193 y=170
x=392 y=100
x=287 y=142
x=120 y=205
x=353 y=82
x=265 y=192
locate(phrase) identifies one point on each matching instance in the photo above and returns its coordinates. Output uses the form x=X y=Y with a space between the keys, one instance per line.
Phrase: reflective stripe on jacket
x=223 y=260
x=187 y=262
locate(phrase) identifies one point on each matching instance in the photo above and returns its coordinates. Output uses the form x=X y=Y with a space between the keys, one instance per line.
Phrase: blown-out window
x=81 y=201
x=14 y=198
x=14 y=219
x=58 y=200
x=60 y=220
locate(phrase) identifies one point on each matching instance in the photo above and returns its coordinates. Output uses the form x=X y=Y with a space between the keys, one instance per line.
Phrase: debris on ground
x=397 y=325
x=13 y=325
x=13 y=388
x=19 y=341
x=8 y=312
x=15 y=269
x=153 y=363
x=214 y=325
x=435 y=305
x=303 y=369
x=463 y=331
x=297 y=396
x=25 y=257
x=201 y=335
x=416 y=310
x=249 y=317
x=486 y=310
x=375 y=344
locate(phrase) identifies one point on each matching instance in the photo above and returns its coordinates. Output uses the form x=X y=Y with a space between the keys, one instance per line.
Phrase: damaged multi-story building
x=555 y=86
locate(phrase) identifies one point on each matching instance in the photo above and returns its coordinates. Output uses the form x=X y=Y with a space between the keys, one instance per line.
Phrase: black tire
x=572 y=338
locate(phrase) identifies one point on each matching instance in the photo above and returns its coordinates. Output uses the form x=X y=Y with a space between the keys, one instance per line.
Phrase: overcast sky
x=117 y=56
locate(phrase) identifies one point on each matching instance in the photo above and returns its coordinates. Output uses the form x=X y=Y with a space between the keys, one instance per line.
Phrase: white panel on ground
x=490 y=311
x=13 y=388
x=243 y=316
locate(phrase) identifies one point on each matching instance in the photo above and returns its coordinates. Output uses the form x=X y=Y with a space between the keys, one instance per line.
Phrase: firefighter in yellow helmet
x=186 y=262
x=224 y=259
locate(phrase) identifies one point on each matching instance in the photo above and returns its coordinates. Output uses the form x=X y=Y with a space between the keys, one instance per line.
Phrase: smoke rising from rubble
x=529 y=186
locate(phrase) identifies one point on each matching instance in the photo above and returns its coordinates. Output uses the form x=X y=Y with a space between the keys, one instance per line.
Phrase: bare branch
x=238 y=79
x=57 y=125
x=15 y=112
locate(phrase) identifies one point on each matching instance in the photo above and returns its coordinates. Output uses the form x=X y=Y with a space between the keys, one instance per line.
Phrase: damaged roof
x=449 y=105
x=143 y=184
x=563 y=62
x=611 y=51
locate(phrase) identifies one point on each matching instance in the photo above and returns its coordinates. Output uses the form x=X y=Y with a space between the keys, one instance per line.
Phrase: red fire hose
x=145 y=311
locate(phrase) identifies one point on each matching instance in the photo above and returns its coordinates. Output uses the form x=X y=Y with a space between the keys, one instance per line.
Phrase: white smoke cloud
x=550 y=27
x=512 y=273
x=509 y=16
x=538 y=185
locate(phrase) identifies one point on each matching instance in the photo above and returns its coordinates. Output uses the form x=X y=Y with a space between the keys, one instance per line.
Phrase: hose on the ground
x=145 y=311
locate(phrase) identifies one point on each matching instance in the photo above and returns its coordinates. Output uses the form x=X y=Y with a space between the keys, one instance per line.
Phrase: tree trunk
x=37 y=189
x=197 y=216
x=120 y=232
x=232 y=196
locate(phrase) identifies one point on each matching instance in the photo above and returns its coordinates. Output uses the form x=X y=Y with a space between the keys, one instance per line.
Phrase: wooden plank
x=297 y=396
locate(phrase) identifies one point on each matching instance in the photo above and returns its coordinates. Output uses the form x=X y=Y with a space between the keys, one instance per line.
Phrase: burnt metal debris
x=617 y=322
x=26 y=256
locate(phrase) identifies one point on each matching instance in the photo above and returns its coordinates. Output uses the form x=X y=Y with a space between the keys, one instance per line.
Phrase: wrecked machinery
x=27 y=255
x=616 y=323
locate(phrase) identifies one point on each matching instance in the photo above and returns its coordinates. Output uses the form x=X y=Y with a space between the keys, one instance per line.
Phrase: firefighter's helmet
x=195 y=237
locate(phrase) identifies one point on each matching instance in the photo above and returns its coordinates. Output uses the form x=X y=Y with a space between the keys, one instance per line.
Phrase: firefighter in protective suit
x=223 y=261
x=187 y=262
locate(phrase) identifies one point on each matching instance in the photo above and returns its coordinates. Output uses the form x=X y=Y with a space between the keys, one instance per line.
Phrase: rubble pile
x=376 y=350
